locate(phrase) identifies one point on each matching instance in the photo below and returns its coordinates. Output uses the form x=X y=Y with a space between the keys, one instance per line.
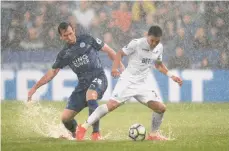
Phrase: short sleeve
x=97 y=43
x=159 y=49
x=130 y=48
x=60 y=62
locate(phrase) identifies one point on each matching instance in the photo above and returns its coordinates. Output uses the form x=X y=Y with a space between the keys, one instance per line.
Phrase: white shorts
x=141 y=91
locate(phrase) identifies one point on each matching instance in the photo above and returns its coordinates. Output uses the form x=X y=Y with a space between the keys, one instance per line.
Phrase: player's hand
x=30 y=94
x=115 y=73
x=122 y=68
x=177 y=80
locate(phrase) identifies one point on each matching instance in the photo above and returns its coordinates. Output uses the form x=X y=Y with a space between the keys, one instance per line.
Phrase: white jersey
x=141 y=59
x=136 y=81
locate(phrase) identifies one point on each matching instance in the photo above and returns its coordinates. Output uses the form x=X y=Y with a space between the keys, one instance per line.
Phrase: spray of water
x=44 y=121
x=41 y=120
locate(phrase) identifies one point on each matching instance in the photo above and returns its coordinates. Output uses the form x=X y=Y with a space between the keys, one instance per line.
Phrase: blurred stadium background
x=195 y=39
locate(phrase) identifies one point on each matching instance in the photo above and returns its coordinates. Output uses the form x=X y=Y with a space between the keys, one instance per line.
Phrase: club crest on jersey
x=82 y=44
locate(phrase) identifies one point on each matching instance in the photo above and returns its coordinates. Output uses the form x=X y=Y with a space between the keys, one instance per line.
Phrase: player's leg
x=68 y=120
x=153 y=101
x=92 y=103
x=157 y=117
x=99 y=112
x=94 y=93
x=119 y=96
x=75 y=104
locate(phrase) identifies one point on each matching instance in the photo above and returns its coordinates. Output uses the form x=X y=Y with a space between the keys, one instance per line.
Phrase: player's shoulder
x=84 y=37
x=143 y=42
x=64 y=51
x=135 y=42
x=159 y=46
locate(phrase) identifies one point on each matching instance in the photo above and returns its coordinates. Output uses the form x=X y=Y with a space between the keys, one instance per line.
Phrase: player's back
x=141 y=58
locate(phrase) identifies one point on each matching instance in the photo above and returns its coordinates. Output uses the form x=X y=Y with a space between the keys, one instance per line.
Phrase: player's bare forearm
x=46 y=78
x=110 y=52
x=117 y=60
x=117 y=63
x=112 y=55
x=161 y=67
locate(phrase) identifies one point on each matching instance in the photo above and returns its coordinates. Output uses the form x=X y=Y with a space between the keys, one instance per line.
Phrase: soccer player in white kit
x=135 y=81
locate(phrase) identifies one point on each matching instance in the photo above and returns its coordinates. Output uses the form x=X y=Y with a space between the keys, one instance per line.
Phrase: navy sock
x=71 y=126
x=92 y=105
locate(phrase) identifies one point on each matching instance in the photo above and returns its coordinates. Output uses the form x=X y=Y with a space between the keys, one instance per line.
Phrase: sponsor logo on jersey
x=146 y=61
x=82 y=60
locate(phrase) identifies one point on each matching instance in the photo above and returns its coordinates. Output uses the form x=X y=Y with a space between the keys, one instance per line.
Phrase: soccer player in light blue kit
x=136 y=81
x=81 y=55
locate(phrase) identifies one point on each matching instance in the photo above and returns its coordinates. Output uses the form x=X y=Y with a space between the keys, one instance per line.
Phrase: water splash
x=41 y=120
x=44 y=121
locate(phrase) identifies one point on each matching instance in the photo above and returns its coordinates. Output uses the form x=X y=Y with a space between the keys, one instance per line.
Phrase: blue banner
x=199 y=85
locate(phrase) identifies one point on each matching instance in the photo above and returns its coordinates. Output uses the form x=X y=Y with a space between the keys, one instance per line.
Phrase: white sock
x=156 y=121
x=99 y=112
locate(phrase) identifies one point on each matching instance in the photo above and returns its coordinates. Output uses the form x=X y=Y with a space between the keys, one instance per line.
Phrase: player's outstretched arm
x=45 y=79
x=110 y=52
x=163 y=69
x=112 y=55
x=116 y=64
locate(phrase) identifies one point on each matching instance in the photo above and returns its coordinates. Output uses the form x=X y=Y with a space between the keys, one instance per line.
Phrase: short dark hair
x=155 y=31
x=63 y=26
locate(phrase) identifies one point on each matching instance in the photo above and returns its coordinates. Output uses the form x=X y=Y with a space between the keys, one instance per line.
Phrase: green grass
x=191 y=127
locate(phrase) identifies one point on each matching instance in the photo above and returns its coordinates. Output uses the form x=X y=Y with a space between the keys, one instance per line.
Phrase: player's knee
x=112 y=104
x=65 y=118
x=162 y=108
x=157 y=106
x=91 y=95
